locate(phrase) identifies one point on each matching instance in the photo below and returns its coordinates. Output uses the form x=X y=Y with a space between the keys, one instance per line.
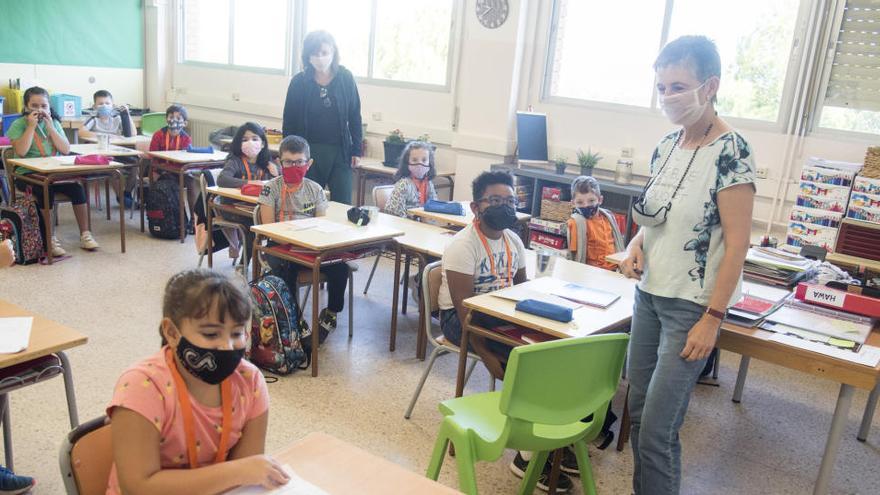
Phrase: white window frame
x=180 y=17
x=452 y=55
x=788 y=87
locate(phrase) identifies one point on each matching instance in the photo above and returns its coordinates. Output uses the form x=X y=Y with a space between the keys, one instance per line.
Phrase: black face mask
x=587 y=211
x=499 y=217
x=208 y=365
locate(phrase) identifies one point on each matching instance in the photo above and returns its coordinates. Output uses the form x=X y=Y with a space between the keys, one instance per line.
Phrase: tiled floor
x=771 y=443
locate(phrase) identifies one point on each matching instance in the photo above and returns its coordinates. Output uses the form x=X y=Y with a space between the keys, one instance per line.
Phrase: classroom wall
x=498 y=72
x=125 y=84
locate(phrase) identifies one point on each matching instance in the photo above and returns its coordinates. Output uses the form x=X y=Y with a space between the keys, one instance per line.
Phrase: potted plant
x=587 y=160
x=559 y=161
x=394 y=144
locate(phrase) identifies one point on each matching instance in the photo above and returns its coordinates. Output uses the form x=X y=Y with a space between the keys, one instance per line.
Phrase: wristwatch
x=714 y=312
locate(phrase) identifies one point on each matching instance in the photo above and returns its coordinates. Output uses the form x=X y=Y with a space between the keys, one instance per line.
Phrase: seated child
x=248 y=162
x=115 y=121
x=592 y=231
x=413 y=186
x=291 y=196
x=194 y=414
x=174 y=137
x=38 y=133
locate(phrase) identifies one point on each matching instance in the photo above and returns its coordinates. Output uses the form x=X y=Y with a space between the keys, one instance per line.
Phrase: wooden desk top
x=587 y=320
x=112 y=150
x=185 y=157
x=121 y=140
x=344 y=233
x=616 y=258
x=374 y=166
x=456 y=220
x=61 y=165
x=340 y=468
x=754 y=342
x=232 y=193
x=78 y=122
x=47 y=337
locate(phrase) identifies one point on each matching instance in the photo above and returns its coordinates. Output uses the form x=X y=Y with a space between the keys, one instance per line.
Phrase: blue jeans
x=660 y=387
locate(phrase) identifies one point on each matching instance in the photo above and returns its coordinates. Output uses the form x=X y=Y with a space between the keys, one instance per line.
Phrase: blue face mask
x=104 y=110
x=587 y=211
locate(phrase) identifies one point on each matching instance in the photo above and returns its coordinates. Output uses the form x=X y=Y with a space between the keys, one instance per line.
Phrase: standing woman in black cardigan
x=324 y=107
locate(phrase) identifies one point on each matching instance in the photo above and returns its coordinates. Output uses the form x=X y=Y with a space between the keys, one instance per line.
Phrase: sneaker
x=57 y=250
x=569 y=464
x=326 y=324
x=563 y=485
x=604 y=439
x=87 y=242
x=12 y=484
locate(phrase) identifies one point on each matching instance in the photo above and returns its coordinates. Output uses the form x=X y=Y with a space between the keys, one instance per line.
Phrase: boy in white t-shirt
x=115 y=121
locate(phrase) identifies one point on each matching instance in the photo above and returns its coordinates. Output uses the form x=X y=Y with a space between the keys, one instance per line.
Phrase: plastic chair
x=86 y=457
x=218 y=222
x=548 y=388
x=380 y=199
x=152 y=122
x=431 y=278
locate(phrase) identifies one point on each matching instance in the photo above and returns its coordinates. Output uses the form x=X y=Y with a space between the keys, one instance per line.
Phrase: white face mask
x=321 y=64
x=683 y=108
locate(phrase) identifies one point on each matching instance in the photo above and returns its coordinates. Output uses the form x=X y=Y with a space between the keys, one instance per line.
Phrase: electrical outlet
x=236 y=97
x=762 y=172
x=377 y=116
x=626 y=152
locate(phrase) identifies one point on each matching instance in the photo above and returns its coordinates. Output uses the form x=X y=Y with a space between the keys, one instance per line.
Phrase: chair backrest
x=558 y=382
x=203 y=192
x=431 y=280
x=86 y=457
x=152 y=122
x=8 y=154
x=381 y=195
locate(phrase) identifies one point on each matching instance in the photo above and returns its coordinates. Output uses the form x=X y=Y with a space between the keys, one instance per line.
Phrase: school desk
x=179 y=163
x=128 y=142
x=112 y=150
x=587 y=320
x=458 y=220
x=58 y=168
x=77 y=123
x=616 y=258
x=339 y=468
x=753 y=343
x=371 y=168
x=244 y=209
x=47 y=338
x=318 y=240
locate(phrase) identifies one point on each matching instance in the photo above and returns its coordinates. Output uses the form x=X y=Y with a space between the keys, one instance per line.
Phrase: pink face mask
x=418 y=171
x=251 y=149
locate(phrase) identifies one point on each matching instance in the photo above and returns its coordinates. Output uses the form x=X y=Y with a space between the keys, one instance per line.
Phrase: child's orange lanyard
x=188 y=420
x=422 y=187
x=168 y=141
x=39 y=142
x=247 y=168
x=509 y=280
x=285 y=193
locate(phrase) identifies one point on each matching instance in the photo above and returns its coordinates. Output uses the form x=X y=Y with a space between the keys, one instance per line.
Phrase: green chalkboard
x=98 y=33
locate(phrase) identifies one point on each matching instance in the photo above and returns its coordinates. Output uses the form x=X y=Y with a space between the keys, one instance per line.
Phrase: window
x=250 y=33
x=602 y=52
x=852 y=98
x=394 y=40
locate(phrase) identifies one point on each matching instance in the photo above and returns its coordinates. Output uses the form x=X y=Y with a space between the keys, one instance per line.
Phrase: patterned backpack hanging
x=23 y=214
x=277 y=328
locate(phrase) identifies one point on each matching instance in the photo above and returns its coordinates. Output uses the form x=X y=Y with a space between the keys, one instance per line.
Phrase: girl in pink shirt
x=192 y=417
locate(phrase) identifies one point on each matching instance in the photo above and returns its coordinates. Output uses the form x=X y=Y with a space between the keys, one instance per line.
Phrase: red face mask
x=294 y=175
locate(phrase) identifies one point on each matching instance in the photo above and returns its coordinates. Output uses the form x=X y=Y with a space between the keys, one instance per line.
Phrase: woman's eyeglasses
x=294 y=163
x=325 y=97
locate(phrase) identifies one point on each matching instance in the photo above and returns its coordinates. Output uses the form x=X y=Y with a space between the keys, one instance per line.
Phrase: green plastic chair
x=152 y=122
x=548 y=388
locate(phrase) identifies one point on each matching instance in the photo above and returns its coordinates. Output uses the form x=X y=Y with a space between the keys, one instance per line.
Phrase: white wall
x=498 y=71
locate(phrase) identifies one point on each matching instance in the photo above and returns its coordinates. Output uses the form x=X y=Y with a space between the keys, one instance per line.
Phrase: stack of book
x=775 y=267
x=757 y=302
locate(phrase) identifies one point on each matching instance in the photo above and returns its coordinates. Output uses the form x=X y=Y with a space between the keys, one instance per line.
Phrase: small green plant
x=588 y=159
x=396 y=137
x=424 y=137
x=560 y=163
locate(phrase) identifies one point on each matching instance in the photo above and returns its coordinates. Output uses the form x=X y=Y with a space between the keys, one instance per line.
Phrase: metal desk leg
x=395 y=297
x=838 y=422
x=107 y=198
x=47 y=216
x=316 y=296
x=7 y=430
x=406 y=261
x=68 y=390
x=868 y=417
x=421 y=338
x=209 y=214
x=741 y=379
x=141 y=199
x=182 y=199
x=121 y=180
x=463 y=356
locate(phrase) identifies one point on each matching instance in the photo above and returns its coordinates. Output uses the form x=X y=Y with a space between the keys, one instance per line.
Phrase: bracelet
x=714 y=312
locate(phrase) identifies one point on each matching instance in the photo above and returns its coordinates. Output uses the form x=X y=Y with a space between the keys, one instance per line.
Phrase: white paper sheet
x=15 y=333
x=774 y=294
x=814 y=322
x=296 y=486
x=867 y=356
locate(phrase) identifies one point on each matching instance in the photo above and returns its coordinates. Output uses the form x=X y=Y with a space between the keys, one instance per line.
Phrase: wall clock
x=492 y=13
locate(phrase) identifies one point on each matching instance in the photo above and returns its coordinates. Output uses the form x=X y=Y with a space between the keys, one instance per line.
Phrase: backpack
x=24 y=232
x=580 y=234
x=277 y=328
x=8 y=231
x=163 y=208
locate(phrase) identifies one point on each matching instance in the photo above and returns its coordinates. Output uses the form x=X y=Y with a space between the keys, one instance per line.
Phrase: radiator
x=200 y=131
